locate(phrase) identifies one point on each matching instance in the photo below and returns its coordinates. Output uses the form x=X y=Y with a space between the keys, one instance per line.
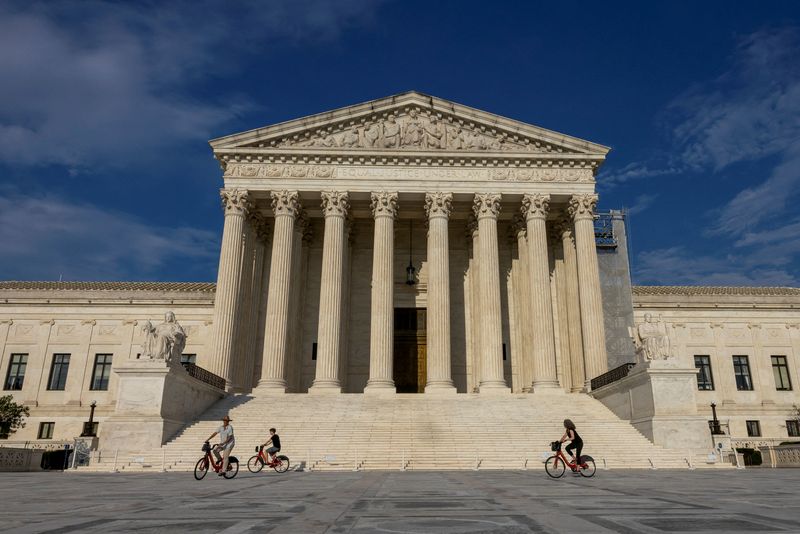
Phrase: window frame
x=757 y=424
x=739 y=369
x=50 y=426
x=19 y=378
x=795 y=424
x=105 y=367
x=787 y=386
x=701 y=368
x=63 y=371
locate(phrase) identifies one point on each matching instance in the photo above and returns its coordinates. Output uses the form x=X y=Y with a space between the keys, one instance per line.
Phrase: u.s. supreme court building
x=394 y=277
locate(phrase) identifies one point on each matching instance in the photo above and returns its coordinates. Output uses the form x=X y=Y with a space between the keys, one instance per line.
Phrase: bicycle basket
x=555 y=446
x=206 y=447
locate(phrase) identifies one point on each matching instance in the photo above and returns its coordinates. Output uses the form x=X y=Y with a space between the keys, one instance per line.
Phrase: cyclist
x=275 y=439
x=576 y=443
x=226 y=443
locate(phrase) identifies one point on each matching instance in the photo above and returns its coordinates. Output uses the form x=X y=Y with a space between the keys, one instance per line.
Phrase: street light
x=88 y=428
x=715 y=429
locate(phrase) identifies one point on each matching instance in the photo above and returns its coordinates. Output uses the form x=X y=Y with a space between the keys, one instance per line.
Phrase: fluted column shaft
x=535 y=208
x=487 y=208
x=335 y=205
x=381 y=338
x=573 y=306
x=438 y=207
x=236 y=204
x=242 y=326
x=522 y=295
x=581 y=207
x=285 y=205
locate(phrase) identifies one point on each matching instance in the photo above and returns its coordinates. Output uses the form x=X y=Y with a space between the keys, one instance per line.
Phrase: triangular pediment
x=412 y=122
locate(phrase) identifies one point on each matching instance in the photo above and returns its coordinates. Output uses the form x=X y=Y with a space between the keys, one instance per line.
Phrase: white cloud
x=42 y=238
x=109 y=83
x=679 y=266
x=641 y=203
x=634 y=171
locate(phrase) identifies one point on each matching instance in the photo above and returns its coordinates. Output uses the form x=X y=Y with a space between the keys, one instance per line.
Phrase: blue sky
x=106 y=109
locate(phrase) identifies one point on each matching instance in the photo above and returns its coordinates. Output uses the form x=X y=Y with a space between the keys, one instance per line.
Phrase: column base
x=380 y=389
x=494 y=388
x=440 y=388
x=270 y=387
x=325 y=388
x=548 y=386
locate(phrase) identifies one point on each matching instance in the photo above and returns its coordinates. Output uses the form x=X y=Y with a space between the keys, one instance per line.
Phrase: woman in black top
x=575 y=440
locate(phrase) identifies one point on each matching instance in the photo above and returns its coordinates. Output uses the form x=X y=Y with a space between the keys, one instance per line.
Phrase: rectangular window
x=793 y=428
x=16 y=372
x=753 y=429
x=101 y=372
x=781 y=371
x=705 y=380
x=46 y=430
x=58 y=372
x=741 y=370
x=189 y=358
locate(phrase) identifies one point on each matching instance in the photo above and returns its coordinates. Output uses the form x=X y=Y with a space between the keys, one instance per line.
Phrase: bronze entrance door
x=410 y=350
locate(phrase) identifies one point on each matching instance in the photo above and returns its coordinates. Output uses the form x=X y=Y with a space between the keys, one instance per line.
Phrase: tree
x=11 y=415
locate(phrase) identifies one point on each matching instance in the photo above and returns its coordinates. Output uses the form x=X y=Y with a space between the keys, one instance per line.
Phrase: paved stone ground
x=755 y=500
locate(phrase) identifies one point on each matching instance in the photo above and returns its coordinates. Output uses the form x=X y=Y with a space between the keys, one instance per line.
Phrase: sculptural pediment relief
x=409 y=122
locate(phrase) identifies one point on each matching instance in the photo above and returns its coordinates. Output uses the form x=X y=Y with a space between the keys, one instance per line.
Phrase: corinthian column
x=381 y=336
x=285 y=205
x=573 y=305
x=438 y=207
x=236 y=204
x=487 y=208
x=581 y=208
x=335 y=205
x=535 y=208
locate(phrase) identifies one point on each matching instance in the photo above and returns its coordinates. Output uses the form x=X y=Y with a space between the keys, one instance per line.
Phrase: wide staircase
x=410 y=432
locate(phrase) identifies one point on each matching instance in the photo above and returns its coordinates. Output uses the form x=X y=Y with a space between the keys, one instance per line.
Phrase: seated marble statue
x=165 y=341
x=651 y=339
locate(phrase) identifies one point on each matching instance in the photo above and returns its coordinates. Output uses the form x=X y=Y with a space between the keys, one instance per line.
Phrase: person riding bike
x=576 y=443
x=226 y=443
x=275 y=439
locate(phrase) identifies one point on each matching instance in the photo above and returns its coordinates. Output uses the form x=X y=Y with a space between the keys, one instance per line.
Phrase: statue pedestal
x=155 y=400
x=659 y=398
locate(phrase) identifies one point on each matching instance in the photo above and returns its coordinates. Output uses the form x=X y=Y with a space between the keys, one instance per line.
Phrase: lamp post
x=715 y=429
x=411 y=271
x=88 y=428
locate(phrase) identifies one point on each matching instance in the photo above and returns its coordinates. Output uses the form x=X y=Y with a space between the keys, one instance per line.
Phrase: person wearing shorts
x=275 y=439
x=226 y=443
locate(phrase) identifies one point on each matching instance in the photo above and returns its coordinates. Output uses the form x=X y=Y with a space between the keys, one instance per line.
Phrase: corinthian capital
x=285 y=203
x=438 y=204
x=535 y=206
x=486 y=205
x=335 y=203
x=384 y=204
x=235 y=201
x=582 y=206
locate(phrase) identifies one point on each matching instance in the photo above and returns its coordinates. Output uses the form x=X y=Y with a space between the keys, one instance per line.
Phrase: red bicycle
x=202 y=465
x=557 y=464
x=257 y=462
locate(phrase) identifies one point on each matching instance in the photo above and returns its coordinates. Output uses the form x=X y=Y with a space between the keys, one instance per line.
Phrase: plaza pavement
x=755 y=500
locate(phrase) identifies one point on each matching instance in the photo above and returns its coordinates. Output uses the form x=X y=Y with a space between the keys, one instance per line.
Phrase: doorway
x=410 y=350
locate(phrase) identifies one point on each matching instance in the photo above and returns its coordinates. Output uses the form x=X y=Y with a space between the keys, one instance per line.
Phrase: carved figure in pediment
x=434 y=134
x=475 y=141
x=412 y=134
x=391 y=133
x=651 y=340
x=372 y=134
x=350 y=138
x=455 y=138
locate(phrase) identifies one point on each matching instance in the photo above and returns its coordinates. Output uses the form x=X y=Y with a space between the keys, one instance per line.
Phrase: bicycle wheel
x=555 y=467
x=283 y=464
x=590 y=468
x=255 y=464
x=201 y=468
x=233 y=468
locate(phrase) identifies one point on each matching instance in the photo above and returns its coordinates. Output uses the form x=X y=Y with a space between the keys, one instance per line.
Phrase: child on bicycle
x=275 y=439
x=575 y=440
